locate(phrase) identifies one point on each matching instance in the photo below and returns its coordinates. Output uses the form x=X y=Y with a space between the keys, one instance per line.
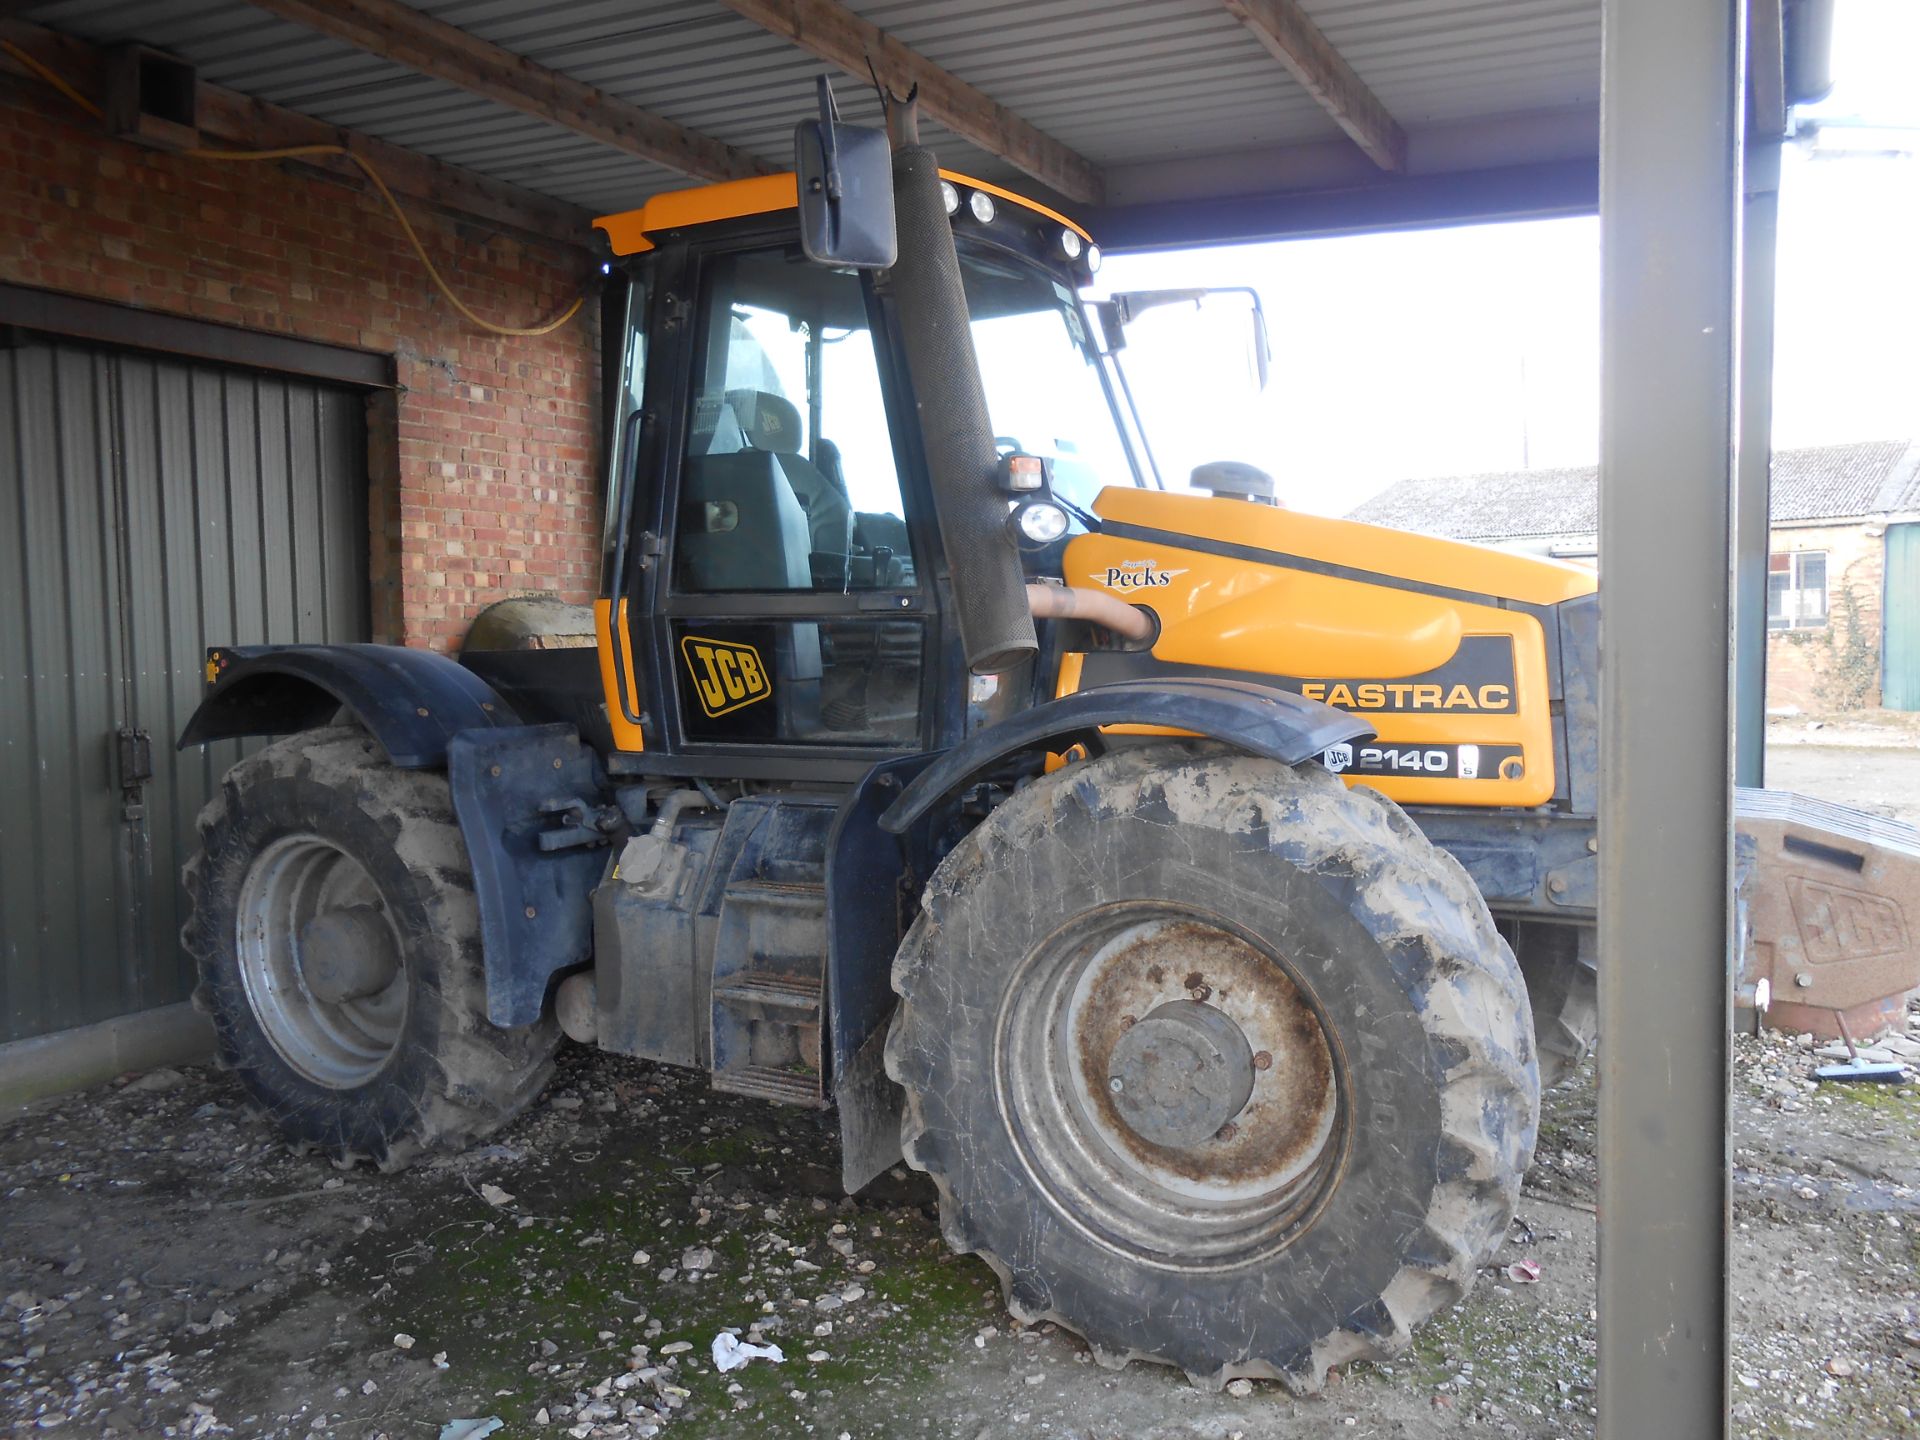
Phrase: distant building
x=1843 y=581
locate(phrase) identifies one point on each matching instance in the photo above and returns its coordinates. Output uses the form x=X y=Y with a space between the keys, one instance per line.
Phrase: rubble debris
x=730 y=1352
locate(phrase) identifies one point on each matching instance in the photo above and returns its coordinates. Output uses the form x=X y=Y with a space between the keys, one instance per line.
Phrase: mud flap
x=873 y=882
x=520 y=795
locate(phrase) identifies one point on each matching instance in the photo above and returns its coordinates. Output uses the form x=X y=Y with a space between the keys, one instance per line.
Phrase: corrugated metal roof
x=1125 y=83
x=1821 y=482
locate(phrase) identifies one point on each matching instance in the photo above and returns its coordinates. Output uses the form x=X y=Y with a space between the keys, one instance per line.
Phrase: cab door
x=790 y=611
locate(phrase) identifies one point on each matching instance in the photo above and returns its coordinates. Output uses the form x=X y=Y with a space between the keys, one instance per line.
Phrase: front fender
x=412 y=701
x=1256 y=718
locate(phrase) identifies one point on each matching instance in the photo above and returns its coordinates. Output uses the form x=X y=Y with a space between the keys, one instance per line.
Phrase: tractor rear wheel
x=1215 y=1061
x=338 y=946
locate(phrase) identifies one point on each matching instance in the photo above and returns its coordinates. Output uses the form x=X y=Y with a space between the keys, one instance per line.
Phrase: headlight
x=1093 y=257
x=981 y=204
x=1041 y=522
x=1070 y=244
x=950 y=197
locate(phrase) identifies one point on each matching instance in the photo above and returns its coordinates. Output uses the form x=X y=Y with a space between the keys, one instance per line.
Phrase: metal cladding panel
x=1128 y=83
x=1438 y=60
x=60 y=889
x=148 y=506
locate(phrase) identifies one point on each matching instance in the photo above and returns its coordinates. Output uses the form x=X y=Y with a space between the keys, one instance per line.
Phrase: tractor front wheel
x=1215 y=1061
x=338 y=944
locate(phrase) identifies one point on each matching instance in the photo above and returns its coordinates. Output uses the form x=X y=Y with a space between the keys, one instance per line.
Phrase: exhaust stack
x=990 y=592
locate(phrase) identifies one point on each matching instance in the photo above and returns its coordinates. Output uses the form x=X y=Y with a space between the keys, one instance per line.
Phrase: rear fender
x=412 y=701
x=532 y=802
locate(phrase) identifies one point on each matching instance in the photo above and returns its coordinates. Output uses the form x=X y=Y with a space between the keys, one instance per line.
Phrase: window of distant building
x=1797 y=590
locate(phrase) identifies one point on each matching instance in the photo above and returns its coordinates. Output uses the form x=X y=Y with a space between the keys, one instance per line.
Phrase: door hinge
x=651 y=547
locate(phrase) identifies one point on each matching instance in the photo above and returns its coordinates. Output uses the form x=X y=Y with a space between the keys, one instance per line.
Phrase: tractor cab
x=776 y=595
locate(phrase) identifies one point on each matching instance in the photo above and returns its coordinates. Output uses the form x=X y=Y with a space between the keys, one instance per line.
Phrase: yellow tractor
x=934 y=762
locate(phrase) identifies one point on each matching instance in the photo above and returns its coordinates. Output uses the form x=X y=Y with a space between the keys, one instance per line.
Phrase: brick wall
x=1835 y=667
x=482 y=466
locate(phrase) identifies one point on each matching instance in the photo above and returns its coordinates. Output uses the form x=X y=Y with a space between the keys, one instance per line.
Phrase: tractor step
x=789 y=1087
x=797 y=994
x=769 y=967
x=805 y=896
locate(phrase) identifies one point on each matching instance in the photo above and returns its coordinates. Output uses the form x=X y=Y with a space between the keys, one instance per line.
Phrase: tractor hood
x=1451 y=644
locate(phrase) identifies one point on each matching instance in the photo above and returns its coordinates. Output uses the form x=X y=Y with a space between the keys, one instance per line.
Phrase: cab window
x=789 y=482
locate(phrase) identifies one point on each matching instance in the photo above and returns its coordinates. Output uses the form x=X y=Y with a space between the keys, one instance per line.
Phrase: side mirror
x=845 y=174
x=1128 y=304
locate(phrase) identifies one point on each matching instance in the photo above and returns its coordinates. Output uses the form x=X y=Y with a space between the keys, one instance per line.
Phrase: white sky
x=1477 y=348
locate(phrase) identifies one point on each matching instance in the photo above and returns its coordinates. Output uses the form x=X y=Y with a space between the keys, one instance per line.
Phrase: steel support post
x=1669 y=216
x=1759 y=225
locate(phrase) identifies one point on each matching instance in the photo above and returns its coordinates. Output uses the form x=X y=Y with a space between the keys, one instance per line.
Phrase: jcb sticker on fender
x=727 y=676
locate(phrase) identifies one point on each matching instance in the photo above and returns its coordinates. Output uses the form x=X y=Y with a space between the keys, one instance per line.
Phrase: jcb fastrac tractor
x=952 y=772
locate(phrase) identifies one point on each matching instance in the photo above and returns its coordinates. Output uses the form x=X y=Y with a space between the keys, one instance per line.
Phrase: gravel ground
x=168 y=1268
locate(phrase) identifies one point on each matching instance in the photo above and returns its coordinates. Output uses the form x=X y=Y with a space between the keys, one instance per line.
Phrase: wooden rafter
x=835 y=34
x=402 y=34
x=1296 y=42
x=242 y=122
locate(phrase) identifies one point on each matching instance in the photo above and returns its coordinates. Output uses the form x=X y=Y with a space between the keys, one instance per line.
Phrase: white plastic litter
x=471 y=1429
x=730 y=1352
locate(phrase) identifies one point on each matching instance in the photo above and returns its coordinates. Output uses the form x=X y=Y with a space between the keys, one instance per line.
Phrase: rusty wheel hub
x=1181 y=1073
x=1171 y=1086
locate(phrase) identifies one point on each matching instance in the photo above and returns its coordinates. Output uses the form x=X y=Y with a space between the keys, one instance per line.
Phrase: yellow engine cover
x=1440 y=645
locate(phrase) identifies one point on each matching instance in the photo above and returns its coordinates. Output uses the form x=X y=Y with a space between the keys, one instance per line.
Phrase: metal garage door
x=1900 y=667
x=148 y=506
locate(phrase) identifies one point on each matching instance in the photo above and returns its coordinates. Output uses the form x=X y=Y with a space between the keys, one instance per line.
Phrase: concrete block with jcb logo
x=1833 y=907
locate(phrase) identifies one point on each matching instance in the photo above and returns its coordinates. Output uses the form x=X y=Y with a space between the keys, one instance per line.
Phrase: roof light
x=949 y=197
x=981 y=204
x=1070 y=244
x=1093 y=257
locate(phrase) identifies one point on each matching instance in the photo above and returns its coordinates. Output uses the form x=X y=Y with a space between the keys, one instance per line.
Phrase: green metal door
x=148 y=507
x=1900 y=664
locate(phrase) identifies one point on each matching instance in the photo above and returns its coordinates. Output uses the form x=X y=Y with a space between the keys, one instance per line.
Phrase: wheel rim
x=337 y=1031
x=1172 y=1086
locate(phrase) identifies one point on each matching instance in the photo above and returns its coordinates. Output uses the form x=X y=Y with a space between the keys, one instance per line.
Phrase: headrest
x=770 y=423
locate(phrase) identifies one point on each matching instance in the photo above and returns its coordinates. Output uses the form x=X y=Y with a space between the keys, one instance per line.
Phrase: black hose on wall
x=990 y=593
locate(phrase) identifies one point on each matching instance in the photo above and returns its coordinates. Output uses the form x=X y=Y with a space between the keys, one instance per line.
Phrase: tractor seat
x=772 y=424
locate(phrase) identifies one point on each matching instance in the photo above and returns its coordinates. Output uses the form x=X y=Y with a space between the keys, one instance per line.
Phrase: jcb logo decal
x=726 y=676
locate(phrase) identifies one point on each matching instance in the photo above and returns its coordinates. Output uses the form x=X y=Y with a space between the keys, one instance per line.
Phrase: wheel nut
x=1227 y=1131
x=1263 y=1060
x=1116 y=1084
x=1127 y=1022
x=1201 y=992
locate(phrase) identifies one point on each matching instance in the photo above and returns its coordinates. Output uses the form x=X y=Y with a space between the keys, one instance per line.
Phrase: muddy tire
x=1557 y=963
x=338 y=945
x=1221 y=906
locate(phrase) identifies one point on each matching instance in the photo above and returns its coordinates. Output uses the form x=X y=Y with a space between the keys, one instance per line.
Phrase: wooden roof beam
x=835 y=34
x=244 y=123
x=1296 y=42
x=399 y=33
